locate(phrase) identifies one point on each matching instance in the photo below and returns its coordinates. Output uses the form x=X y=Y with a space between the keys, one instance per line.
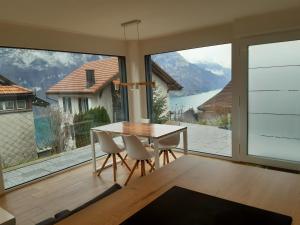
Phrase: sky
x=220 y=54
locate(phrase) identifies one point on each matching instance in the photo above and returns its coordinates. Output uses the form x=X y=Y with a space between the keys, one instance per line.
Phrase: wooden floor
x=38 y=201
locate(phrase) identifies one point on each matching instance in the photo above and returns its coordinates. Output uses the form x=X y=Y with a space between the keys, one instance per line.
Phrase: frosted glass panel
x=275 y=78
x=275 y=54
x=274 y=100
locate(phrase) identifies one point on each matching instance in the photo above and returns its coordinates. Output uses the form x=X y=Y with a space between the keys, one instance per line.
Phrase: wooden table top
x=6 y=217
x=263 y=188
x=150 y=130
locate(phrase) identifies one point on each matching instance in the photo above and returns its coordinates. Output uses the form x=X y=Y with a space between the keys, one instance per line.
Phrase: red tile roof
x=105 y=71
x=13 y=90
x=222 y=100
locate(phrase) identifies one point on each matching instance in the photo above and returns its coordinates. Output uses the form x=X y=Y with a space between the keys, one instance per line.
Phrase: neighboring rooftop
x=105 y=70
x=8 y=87
x=222 y=100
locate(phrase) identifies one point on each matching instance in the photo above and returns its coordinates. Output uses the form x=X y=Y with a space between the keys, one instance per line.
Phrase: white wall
x=38 y=38
x=94 y=101
x=105 y=100
x=163 y=87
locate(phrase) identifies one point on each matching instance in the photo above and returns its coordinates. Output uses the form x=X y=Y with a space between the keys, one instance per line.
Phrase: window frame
x=2 y=109
x=5 y=106
x=21 y=108
x=83 y=104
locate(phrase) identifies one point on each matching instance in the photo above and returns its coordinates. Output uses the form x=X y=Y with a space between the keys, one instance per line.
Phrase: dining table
x=152 y=131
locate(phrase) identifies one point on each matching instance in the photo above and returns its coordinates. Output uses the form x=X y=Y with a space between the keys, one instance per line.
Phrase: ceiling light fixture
x=132 y=85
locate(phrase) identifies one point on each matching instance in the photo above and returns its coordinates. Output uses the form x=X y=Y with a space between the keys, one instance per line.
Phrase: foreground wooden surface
x=258 y=187
x=68 y=190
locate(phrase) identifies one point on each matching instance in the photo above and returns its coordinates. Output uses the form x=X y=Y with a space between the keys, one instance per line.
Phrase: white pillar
x=135 y=65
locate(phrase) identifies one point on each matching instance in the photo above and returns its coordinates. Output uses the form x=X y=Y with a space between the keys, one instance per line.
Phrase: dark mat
x=180 y=206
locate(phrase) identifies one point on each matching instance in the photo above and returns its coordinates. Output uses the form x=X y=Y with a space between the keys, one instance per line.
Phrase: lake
x=191 y=101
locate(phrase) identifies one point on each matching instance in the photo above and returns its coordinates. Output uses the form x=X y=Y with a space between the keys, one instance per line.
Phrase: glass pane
x=9 y=105
x=52 y=134
x=21 y=104
x=198 y=94
x=273 y=100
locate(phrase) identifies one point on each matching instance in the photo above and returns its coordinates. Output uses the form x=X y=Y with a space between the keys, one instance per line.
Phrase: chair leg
x=172 y=153
x=167 y=156
x=99 y=172
x=151 y=166
x=161 y=151
x=143 y=171
x=123 y=161
x=115 y=167
x=132 y=171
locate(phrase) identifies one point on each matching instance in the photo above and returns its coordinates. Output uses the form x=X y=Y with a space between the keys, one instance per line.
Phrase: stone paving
x=208 y=139
x=201 y=138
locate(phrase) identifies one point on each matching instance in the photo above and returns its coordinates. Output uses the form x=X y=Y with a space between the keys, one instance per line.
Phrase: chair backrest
x=174 y=139
x=172 y=122
x=135 y=148
x=144 y=120
x=171 y=140
x=106 y=143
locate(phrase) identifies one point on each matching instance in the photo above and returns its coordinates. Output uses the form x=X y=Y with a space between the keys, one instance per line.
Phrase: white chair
x=144 y=120
x=137 y=151
x=145 y=141
x=167 y=144
x=108 y=146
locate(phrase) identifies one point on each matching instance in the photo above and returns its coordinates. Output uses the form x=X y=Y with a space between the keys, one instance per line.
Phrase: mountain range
x=194 y=77
x=39 y=70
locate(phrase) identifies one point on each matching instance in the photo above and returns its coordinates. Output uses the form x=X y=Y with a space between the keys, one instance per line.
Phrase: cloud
x=219 y=54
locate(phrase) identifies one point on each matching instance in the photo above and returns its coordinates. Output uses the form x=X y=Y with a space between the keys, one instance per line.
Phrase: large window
x=83 y=105
x=64 y=96
x=194 y=89
x=21 y=104
x=273 y=100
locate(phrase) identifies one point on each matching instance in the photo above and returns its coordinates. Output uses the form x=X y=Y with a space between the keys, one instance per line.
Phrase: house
x=17 y=131
x=90 y=86
x=220 y=104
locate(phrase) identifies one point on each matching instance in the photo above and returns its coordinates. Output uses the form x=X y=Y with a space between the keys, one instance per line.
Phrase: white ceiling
x=159 y=17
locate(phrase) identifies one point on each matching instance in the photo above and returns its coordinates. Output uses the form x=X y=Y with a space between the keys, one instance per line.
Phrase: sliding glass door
x=273 y=104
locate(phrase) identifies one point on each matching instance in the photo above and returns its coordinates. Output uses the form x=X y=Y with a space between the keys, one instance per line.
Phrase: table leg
x=156 y=152
x=1 y=180
x=185 y=144
x=93 y=151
